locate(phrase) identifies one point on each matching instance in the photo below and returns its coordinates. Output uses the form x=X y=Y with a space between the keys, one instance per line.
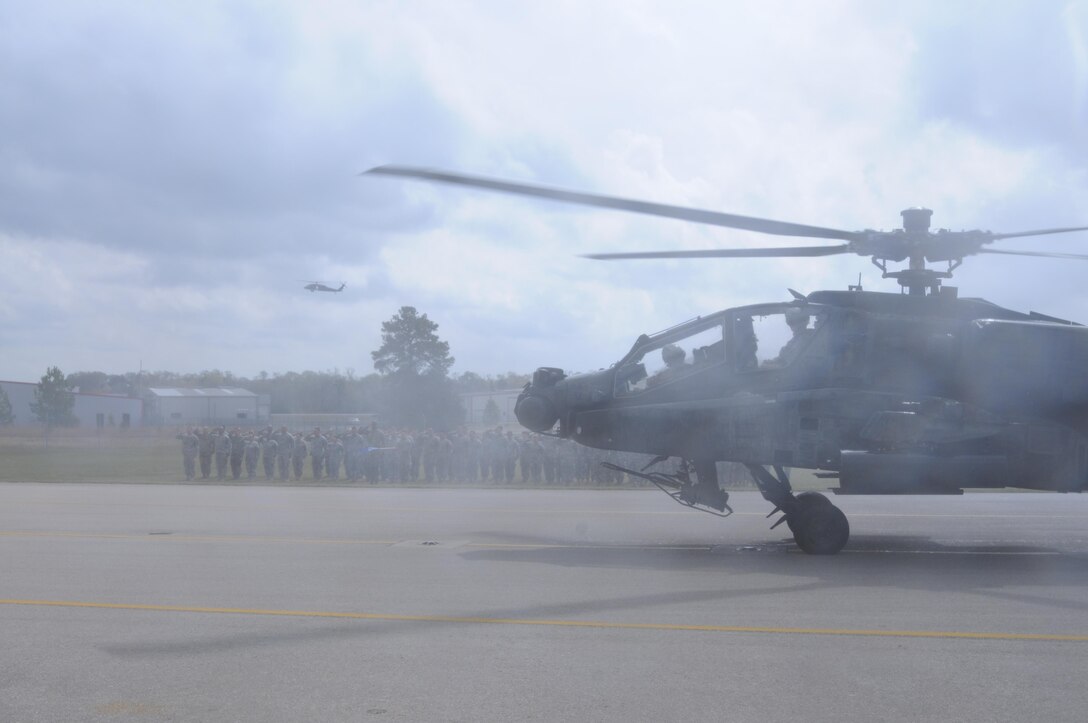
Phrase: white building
x=212 y=406
x=91 y=410
x=476 y=407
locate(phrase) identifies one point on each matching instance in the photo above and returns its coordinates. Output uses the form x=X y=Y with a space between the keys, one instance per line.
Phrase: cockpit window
x=666 y=360
x=772 y=340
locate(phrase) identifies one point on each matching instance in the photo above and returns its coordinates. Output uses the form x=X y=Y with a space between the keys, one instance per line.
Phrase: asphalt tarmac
x=194 y=603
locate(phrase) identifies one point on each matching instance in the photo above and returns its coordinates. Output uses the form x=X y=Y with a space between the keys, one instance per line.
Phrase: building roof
x=199 y=392
x=492 y=393
x=112 y=395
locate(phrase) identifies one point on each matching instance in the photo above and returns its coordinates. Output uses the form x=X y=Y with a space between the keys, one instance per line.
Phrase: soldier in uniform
x=512 y=450
x=253 y=453
x=222 y=453
x=430 y=456
x=285 y=445
x=403 y=446
x=237 y=453
x=472 y=457
x=334 y=455
x=417 y=456
x=351 y=444
x=373 y=467
x=268 y=456
x=488 y=452
x=205 y=448
x=190 y=444
x=532 y=458
x=444 y=458
x=359 y=454
x=298 y=455
x=388 y=457
x=548 y=460
x=318 y=445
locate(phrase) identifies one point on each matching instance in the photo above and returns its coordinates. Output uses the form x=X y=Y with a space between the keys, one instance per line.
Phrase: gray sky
x=172 y=174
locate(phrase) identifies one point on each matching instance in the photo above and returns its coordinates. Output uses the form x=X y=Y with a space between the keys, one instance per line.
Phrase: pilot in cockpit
x=676 y=364
x=798 y=321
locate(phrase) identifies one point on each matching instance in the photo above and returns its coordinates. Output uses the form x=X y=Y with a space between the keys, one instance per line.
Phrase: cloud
x=169 y=174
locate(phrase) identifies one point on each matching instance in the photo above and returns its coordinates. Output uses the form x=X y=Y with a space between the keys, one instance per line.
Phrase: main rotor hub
x=916 y=220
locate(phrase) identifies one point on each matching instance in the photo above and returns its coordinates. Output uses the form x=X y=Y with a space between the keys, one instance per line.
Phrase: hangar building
x=210 y=406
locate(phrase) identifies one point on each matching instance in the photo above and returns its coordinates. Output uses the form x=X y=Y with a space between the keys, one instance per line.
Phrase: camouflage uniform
x=351 y=445
x=222 y=454
x=472 y=457
x=430 y=456
x=285 y=445
x=190 y=444
x=444 y=460
x=253 y=453
x=268 y=456
x=205 y=448
x=510 y=459
x=298 y=456
x=373 y=463
x=334 y=455
x=237 y=454
x=318 y=446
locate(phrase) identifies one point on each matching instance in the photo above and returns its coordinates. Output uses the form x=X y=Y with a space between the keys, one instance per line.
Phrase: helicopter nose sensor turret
x=536 y=408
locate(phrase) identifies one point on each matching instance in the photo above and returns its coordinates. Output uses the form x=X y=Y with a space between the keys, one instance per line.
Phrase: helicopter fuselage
x=894 y=394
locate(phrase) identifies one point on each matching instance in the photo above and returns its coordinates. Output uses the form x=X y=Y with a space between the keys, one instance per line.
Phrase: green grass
x=72 y=456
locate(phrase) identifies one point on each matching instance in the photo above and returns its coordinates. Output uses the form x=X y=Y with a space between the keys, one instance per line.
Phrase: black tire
x=803 y=502
x=821 y=530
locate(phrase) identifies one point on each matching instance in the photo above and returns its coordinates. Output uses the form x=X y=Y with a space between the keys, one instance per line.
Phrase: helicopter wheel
x=820 y=529
x=804 y=502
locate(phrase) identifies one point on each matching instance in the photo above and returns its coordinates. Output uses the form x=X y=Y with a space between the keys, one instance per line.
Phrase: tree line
x=411 y=385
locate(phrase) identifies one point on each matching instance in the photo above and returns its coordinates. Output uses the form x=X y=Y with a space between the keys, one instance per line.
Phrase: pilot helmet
x=671 y=354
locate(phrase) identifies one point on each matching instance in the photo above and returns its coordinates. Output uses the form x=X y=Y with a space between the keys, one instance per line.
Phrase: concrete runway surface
x=193 y=603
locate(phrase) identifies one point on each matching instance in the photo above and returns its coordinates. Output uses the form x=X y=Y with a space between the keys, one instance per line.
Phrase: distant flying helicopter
x=318 y=286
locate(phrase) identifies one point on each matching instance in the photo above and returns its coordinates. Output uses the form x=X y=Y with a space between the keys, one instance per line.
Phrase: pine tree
x=413 y=363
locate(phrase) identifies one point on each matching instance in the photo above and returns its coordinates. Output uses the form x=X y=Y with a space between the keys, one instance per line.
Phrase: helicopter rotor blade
x=1041 y=232
x=713 y=218
x=1044 y=254
x=780 y=252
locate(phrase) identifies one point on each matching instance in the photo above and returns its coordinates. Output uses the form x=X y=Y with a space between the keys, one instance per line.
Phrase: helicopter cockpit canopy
x=672 y=355
x=773 y=337
x=738 y=340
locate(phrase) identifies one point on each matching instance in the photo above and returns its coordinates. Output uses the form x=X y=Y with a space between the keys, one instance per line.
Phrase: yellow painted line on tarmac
x=933 y=634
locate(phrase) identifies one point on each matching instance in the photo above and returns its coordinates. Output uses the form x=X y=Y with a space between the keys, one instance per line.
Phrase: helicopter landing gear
x=804 y=502
x=821 y=530
x=818 y=527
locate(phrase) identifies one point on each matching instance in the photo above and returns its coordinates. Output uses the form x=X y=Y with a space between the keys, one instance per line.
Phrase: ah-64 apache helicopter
x=920 y=392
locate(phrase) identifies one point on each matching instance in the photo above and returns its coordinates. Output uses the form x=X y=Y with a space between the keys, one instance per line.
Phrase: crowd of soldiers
x=400 y=456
